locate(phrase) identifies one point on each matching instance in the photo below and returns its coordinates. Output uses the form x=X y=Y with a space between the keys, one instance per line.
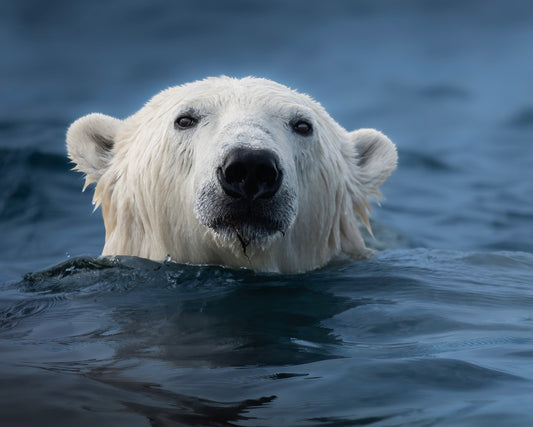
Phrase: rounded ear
x=90 y=140
x=375 y=158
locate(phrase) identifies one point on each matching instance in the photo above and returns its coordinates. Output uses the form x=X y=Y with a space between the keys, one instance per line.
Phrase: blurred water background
x=435 y=330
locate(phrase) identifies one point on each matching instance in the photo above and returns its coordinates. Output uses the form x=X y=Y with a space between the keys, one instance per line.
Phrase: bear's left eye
x=185 y=122
x=302 y=127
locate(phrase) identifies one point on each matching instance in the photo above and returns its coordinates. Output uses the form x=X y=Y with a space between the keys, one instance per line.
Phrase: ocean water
x=437 y=329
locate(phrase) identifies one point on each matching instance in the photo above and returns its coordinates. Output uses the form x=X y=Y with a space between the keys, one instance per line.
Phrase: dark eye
x=185 y=122
x=302 y=127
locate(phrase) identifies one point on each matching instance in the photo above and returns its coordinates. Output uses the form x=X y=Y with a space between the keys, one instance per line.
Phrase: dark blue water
x=435 y=330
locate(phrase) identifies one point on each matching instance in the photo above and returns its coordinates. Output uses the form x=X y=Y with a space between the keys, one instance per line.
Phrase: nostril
x=235 y=173
x=266 y=174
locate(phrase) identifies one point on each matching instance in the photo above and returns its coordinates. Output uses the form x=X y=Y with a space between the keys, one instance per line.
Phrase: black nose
x=250 y=174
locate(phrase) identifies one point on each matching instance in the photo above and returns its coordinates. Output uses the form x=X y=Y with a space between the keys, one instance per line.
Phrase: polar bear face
x=245 y=173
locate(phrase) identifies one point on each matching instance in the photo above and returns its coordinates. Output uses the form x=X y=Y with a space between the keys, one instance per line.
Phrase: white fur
x=149 y=175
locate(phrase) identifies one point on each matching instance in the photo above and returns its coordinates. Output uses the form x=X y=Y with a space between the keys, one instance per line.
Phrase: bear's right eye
x=185 y=122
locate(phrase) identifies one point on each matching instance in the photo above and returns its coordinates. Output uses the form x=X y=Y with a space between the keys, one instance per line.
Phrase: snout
x=250 y=202
x=250 y=174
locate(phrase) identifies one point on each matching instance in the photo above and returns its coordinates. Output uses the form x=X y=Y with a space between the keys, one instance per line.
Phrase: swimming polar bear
x=235 y=172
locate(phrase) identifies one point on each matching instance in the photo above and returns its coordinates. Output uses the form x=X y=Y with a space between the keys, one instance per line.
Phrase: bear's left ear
x=375 y=158
x=90 y=140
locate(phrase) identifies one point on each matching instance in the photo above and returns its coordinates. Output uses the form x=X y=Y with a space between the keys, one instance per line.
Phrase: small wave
x=89 y=275
x=24 y=197
x=413 y=349
x=165 y=407
x=507 y=259
x=443 y=373
x=11 y=315
x=444 y=92
x=31 y=132
x=411 y=159
x=522 y=119
x=32 y=160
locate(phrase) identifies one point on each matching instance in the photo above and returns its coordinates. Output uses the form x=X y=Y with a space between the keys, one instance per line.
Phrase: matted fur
x=157 y=184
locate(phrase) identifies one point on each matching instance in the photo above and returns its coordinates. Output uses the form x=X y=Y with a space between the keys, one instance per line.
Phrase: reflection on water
x=195 y=316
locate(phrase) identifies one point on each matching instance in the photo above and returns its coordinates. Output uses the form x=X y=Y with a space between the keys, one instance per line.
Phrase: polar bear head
x=237 y=172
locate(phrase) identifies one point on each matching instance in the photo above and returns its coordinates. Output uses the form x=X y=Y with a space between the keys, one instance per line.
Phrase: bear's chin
x=246 y=235
x=242 y=226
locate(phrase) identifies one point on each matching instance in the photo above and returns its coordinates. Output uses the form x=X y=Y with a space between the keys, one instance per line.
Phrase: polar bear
x=235 y=172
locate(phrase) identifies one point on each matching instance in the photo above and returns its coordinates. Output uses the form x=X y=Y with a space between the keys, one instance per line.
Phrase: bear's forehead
x=225 y=92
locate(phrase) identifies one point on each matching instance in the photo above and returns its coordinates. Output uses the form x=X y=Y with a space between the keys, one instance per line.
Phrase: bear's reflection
x=202 y=316
x=245 y=320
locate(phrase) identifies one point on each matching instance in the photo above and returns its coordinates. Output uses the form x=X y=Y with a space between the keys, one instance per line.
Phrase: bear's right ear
x=90 y=140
